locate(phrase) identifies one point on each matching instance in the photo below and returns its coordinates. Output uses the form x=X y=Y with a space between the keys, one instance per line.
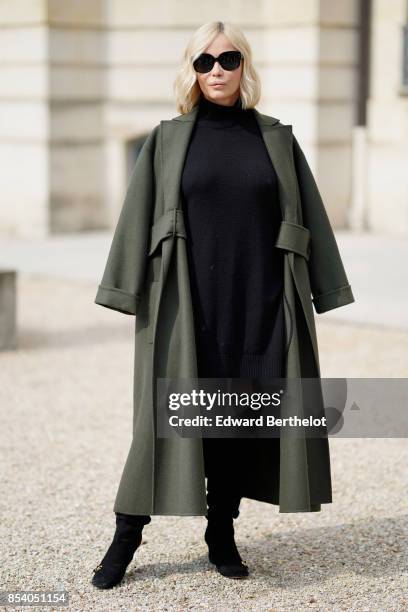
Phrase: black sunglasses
x=229 y=60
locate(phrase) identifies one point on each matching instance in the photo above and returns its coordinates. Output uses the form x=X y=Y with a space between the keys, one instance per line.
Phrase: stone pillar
x=52 y=97
x=307 y=54
x=24 y=125
x=78 y=66
x=388 y=122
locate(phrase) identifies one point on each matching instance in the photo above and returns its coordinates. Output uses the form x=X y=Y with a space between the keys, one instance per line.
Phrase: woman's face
x=228 y=92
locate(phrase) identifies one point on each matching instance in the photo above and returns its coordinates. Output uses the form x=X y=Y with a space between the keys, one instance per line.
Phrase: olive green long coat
x=146 y=275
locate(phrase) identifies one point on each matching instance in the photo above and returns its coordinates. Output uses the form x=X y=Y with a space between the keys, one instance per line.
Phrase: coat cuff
x=117 y=299
x=333 y=299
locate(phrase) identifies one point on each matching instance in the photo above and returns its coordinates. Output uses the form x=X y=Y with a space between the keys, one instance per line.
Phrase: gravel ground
x=65 y=439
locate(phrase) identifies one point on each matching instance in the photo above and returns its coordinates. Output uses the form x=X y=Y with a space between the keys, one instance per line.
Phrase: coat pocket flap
x=171 y=223
x=294 y=237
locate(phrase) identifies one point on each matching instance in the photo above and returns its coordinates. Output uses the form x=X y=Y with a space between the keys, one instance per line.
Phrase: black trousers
x=221 y=462
x=222 y=467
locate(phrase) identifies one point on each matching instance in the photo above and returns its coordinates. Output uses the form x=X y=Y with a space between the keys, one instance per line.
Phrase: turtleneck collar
x=220 y=114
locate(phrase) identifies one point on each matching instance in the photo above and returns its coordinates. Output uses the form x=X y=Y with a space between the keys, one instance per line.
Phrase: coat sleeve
x=328 y=280
x=123 y=278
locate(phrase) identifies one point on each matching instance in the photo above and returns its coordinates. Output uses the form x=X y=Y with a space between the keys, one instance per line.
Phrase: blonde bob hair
x=186 y=87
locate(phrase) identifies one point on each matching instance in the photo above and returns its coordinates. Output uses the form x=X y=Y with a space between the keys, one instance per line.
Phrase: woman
x=230 y=221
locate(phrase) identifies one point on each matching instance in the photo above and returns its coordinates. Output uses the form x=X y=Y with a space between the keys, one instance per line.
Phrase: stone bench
x=8 y=310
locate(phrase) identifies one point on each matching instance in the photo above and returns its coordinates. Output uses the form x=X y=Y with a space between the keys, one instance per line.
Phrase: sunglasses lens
x=204 y=63
x=229 y=60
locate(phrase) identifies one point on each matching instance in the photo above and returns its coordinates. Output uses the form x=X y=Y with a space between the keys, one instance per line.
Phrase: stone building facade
x=82 y=83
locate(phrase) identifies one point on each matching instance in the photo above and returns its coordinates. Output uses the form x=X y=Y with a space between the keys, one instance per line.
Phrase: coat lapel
x=278 y=142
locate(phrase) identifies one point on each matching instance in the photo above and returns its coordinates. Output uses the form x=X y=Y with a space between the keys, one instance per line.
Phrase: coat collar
x=175 y=138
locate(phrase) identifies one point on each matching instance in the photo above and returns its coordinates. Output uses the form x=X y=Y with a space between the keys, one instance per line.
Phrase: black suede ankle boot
x=222 y=550
x=127 y=538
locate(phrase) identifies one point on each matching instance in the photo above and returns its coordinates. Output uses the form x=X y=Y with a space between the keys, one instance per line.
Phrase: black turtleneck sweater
x=231 y=208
